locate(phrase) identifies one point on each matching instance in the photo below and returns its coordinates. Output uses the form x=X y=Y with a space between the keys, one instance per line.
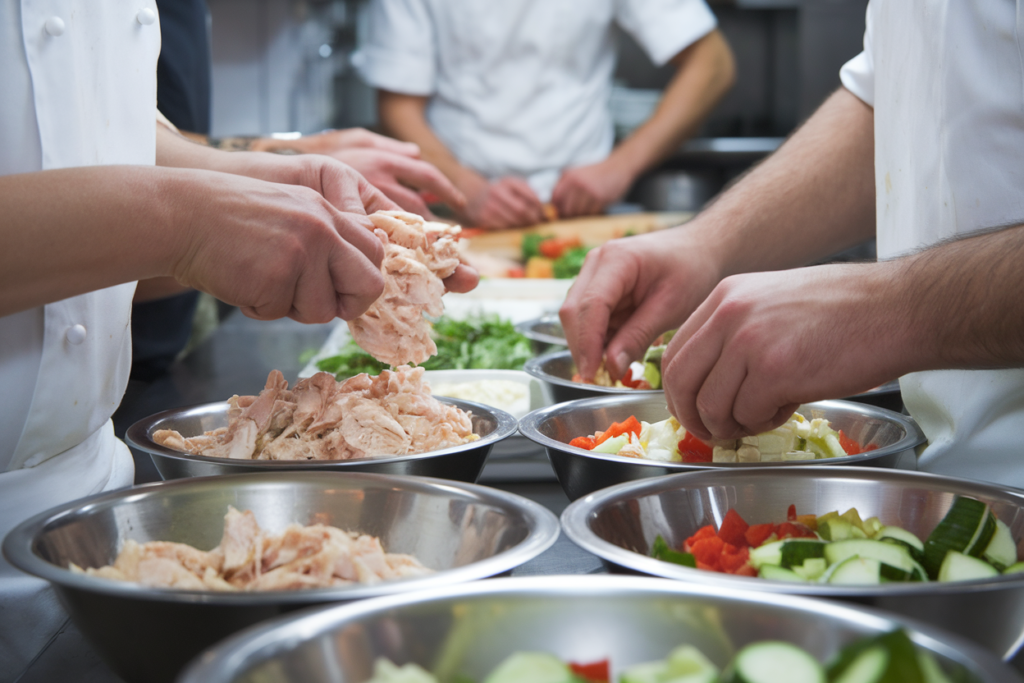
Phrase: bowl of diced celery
x=944 y=550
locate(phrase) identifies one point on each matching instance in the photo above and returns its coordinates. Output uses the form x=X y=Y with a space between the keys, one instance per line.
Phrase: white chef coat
x=519 y=87
x=79 y=88
x=946 y=80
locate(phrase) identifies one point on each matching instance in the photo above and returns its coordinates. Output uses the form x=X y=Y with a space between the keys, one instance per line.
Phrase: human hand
x=401 y=178
x=277 y=250
x=588 y=190
x=630 y=291
x=762 y=344
x=504 y=203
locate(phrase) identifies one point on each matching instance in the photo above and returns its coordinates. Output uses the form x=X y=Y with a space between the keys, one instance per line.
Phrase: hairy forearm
x=175 y=151
x=962 y=302
x=814 y=197
x=404 y=117
x=704 y=73
x=72 y=231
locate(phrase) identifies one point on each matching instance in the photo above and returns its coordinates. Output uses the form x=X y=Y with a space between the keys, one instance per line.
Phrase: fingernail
x=621 y=362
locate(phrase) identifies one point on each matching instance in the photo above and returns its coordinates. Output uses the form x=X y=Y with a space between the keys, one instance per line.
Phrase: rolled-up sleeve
x=398 y=49
x=664 y=28
x=858 y=74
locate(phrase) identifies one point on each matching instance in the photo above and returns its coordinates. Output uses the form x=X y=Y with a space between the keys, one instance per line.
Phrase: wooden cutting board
x=592 y=231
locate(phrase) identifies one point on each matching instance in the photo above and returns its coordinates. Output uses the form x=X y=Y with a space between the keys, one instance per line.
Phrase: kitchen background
x=788 y=56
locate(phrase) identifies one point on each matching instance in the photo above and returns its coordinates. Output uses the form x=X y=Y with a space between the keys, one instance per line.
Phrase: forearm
x=175 y=151
x=404 y=117
x=962 y=302
x=72 y=231
x=814 y=197
x=704 y=73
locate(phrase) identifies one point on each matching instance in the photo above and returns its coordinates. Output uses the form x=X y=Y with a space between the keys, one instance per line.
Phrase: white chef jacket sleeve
x=398 y=53
x=664 y=28
x=858 y=74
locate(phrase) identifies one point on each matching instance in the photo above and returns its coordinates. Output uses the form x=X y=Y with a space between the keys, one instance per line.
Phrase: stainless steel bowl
x=462 y=463
x=619 y=524
x=557 y=369
x=581 y=471
x=544 y=333
x=463 y=531
x=470 y=629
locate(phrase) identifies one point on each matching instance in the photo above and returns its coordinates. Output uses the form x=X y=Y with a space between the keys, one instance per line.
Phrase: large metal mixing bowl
x=557 y=368
x=462 y=463
x=463 y=531
x=469 y=629
x=620 y=523
x=581 y=471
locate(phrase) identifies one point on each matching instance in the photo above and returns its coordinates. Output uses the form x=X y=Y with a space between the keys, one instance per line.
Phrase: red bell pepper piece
x=849 y=445
x=758 y=534
x=595 y=672
x=791 y=513
x=709 y=551
x=693 y=449
x=631 y=425
x=733 y=529
x=628 y=381
x=733 y=561
x=706 y=531
x=584 y=442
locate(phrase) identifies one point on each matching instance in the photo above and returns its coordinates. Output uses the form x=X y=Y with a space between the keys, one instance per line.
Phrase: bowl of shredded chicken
x=389 y=423
x=152 y=575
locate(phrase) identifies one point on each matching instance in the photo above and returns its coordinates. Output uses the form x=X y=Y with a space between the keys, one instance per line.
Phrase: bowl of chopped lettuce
x=598 y=442
x=595 y=629
x=940 y=549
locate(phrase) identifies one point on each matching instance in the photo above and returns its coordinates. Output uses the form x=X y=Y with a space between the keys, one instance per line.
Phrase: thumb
x=632 y=340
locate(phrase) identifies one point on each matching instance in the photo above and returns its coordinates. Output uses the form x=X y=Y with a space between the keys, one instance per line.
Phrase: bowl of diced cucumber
x=944 y=550
x=596 y=629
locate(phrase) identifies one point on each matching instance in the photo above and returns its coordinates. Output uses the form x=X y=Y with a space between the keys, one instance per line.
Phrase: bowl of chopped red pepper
x=940 y=549
x=599 y=442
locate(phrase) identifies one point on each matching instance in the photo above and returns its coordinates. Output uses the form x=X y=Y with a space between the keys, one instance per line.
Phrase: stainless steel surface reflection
x=469 y=629
x=620 y=523
x=581 y=471
x=463 y=531
x=462 y=463
x=557 y=369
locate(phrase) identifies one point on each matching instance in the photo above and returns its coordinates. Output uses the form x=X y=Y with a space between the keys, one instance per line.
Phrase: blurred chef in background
x=922 y=148
x=510 y=99
x=95 y=195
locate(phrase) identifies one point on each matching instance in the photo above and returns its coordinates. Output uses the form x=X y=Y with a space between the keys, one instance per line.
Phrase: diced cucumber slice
x=797 y=550
x=891 y=554
x=536 y=667
x=687 y=663
x=774 y=662
x=931 y=672
x=967 y=524
x=386 y=672
x=856 y=571
x=654 y=354
x=890 y=573
x=648 y=672
x=1001 y=551
x=961 y=567
x=835 y=529
x=768 y=553
x=774 y=572
x=901 y=661
x=1015 y=568
x=653 y=375
x=812 y=569
x=867 y=667
x=899 y=535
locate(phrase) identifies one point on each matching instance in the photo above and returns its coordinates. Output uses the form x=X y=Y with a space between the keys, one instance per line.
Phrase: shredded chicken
x=418 y=255
x=321 y=418
x=249 y=559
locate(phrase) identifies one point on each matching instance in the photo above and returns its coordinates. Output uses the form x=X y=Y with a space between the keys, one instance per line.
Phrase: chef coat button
x=146 y=16
x=55 y=26
x=76 y=334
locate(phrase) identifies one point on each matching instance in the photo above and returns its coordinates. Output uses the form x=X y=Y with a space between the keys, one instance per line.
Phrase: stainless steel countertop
x=236 y=359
